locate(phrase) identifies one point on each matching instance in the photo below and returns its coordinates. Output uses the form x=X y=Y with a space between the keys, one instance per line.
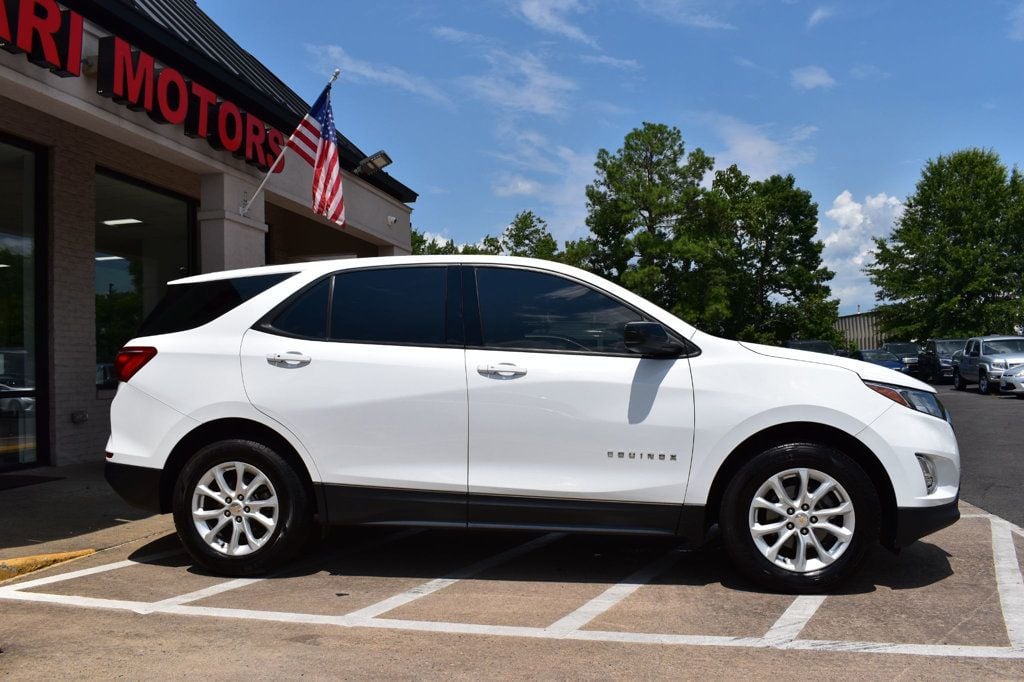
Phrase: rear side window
x=187 y=306
x=537 y=311
x=389 y=305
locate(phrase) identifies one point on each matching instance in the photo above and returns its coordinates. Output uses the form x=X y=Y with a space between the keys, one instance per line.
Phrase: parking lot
x=431 y=603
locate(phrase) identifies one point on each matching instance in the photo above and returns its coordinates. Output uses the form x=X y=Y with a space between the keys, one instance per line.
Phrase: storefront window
x=17 y=306
x=142 y=242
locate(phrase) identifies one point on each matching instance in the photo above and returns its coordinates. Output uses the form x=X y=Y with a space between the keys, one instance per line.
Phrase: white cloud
x=521 y=82
x=820 y=14
x=810 y=77
x=849 y=246
x=551 y=16
x=454 y=35
x=356 y=70
x=513 y=185
x=613 y=62
x=1016 y=20
x=552 y=175
x=757 y=150
x=684 y=12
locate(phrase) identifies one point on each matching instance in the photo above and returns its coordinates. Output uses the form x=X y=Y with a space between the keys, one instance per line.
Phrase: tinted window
x=390 y=305
x=187 y=306
x=532 y=310
x=306 y=315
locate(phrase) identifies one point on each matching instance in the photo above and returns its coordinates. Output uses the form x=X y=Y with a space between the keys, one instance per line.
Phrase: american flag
x=316 y=141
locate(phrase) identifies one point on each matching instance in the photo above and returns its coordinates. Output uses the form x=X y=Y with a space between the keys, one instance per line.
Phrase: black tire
x=735 y=517
x=984 y=385
x=293 y=515
x=958 y=381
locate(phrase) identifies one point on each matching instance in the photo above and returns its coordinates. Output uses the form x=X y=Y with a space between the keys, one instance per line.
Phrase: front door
x=369 y=375
x=567 y=428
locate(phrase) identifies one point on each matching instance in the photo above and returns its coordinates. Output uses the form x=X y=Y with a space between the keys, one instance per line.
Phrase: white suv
x=489 y=392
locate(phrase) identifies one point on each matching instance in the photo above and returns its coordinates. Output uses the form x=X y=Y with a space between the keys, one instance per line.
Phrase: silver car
x=1012 y=381
x=985 y=359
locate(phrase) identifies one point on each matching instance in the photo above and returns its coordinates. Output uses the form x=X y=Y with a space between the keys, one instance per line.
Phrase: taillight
x=131 y=359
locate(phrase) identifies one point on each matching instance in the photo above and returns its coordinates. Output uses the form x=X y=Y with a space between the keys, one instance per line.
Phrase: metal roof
x=179 y=33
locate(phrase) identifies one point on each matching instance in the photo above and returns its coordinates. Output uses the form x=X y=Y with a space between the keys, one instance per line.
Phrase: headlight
x=999 y=364
x=921 y=401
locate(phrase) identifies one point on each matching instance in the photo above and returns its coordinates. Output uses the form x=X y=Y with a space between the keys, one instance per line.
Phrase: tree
x=951 y=266
x=527 y=235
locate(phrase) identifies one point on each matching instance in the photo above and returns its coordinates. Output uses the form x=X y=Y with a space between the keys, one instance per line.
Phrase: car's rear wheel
x=984 y=387
x=958 y=381
x=240 y=509
x=799 y=518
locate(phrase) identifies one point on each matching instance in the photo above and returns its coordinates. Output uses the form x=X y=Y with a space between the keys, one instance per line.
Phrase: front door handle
x=288 y=360
x=502 y=369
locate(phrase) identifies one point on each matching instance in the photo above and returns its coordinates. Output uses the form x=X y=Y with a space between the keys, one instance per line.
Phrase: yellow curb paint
x=11 y=568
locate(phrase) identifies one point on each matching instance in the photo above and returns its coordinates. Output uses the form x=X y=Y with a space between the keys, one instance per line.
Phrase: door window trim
x=474 y=324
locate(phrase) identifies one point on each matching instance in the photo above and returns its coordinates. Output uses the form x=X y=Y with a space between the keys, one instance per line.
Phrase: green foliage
x=952 y=265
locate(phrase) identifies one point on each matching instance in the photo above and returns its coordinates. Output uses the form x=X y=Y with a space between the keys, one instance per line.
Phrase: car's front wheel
x=799 y=518
x=240 y=509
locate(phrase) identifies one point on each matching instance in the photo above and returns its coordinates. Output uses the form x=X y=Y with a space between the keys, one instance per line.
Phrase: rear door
x=367 y=369
x=566 y=426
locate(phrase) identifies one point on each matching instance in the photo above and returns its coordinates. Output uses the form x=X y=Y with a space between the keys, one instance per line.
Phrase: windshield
x=1004 y=346
x=878 y=355
x=950 y=346
x=813 y=346
x=902 y=348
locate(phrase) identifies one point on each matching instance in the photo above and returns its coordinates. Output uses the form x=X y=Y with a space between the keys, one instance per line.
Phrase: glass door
x=18 y=335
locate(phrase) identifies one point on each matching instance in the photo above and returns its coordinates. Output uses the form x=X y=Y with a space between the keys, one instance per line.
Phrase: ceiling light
x=122 y=221
x=102 y=258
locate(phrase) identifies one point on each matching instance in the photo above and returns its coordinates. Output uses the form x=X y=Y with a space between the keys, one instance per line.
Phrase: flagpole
x=247 y=203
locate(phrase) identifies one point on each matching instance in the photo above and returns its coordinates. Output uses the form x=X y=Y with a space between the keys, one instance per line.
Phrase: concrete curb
x=12 y=568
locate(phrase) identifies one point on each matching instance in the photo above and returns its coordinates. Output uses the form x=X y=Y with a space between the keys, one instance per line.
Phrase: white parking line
x=420 y=591
x=61 y=577
x=789 y=625
x=1008 y=581
x=613 y=595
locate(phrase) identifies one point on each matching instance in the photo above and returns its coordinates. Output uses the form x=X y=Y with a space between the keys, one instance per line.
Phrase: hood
x=1009 y=358
x=866 y=370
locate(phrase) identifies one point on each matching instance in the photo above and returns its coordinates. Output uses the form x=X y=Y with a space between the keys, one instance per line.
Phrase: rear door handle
x=502 y=369
x=290 y=359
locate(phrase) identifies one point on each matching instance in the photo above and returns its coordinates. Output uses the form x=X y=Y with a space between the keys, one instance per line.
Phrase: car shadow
x=592 y=559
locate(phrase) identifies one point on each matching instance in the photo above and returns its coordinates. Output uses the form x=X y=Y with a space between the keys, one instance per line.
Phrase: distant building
x=861 y=329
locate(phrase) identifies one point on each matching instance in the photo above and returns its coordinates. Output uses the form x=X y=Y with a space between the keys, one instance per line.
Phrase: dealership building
x=131 y=132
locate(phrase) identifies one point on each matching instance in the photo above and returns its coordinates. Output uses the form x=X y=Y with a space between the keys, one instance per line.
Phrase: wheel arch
x=806 y=432
x=232 y=428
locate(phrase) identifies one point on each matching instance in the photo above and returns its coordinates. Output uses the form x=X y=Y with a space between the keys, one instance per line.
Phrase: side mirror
x=651 y=340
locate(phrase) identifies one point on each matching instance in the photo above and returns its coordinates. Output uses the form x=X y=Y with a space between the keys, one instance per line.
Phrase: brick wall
x=74 y=154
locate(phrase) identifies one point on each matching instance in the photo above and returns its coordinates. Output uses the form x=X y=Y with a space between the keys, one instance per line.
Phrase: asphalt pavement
x=990 y=432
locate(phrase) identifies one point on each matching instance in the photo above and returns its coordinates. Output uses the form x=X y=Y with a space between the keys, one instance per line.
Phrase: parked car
x=1012 y=381
x=907 y=352
x=490 y=392
x=881 y=357
x=812 y=345
x=935 y=362
x=984 y=360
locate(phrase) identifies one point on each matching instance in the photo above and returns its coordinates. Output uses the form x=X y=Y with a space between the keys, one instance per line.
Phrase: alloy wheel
x=802 y=520
x=234 y=508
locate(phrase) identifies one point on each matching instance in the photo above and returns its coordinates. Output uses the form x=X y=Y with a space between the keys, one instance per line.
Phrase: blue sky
x=492 y=107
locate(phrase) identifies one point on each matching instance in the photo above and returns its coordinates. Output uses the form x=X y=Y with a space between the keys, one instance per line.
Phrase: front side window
x=523 y=309
x=403 y=305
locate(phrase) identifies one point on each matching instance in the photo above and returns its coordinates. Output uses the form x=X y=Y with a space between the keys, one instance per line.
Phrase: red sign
x=52 y=38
